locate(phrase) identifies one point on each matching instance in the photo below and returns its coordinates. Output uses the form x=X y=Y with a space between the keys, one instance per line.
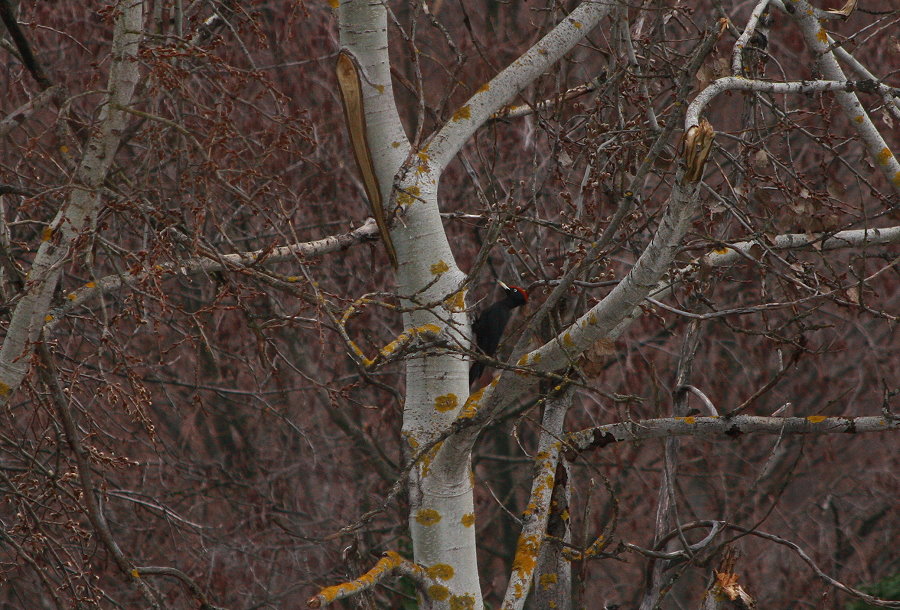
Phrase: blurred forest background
x=229 y=434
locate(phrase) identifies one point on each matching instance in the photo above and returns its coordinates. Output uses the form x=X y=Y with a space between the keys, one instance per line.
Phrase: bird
x=489 y=325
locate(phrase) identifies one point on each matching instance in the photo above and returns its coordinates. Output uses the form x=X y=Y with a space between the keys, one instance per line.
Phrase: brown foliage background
x=231 y=435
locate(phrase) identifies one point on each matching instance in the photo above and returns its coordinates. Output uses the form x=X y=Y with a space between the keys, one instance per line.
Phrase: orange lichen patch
x=816 y=419
x=548 y=581
x=896 y=179
x=468 y=520
x=428 y=458
x=423 y=156
x=687 y=420
x=334 y=3
x=48 y=318
x=446 y=402
x=568 y=341
x=578 y=25
x=411 y=440
x=379 y=88
x=822 y=36
x=388 y=562
x=483 y=88
x=465 y=112
x=526 y=554
x=530 y=507
x=439 y=268
x=46 y=234
x=884 y=155
x=407 y=335
x=428 y=517
x=4 y=390
x=858 y=118
x=722 y=250
x=408 y=196
x=592 y=319
x=523 y=360
x=518 y=590
x=462 y=602
x=438 y=592
x=71 y=296
x=134 y=573
x=456 y=302
x=471 y=407
x=440 y=571
x=362 y=357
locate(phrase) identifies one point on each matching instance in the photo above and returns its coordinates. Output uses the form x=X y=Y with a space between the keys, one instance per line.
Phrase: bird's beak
x=502 y=285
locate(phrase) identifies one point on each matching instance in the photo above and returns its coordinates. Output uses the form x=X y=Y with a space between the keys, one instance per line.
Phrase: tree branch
x=713 y=428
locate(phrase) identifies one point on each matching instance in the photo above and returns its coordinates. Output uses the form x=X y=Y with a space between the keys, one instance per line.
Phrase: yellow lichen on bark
x=446 y=402
x=526 y=555
x=462 y=602
x=438 y=592
x=407 y=196
x=439 y=268
x=428 y=517
x=547 y=581
x=440 y=571
x=465 y=112
x=471 y=407
x=884 y=156
x=389 y=561
x=456 y=301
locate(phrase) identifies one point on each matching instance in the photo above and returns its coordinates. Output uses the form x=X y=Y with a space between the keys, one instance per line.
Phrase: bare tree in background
x=241 y=246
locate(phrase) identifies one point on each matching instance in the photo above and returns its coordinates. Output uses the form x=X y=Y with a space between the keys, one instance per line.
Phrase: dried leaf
x=760 y=159
x=845 y=10
x=697 y=143
x=727 y=584
x=594 y=360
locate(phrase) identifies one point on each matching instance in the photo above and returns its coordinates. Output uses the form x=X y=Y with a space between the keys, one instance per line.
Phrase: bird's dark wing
x=489 y=326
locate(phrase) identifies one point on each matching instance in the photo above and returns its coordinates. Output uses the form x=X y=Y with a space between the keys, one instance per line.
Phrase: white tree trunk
x=78 y=211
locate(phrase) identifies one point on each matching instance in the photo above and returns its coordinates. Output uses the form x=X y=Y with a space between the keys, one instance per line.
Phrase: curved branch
x=195 y=590
x=491 y=97
x=389 y=563
x=737 y=83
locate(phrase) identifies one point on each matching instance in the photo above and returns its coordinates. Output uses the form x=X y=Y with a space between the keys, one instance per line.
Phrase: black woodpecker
x=488 y=326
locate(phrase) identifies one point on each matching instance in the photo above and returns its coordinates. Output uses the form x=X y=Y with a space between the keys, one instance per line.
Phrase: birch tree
x=701 y=202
